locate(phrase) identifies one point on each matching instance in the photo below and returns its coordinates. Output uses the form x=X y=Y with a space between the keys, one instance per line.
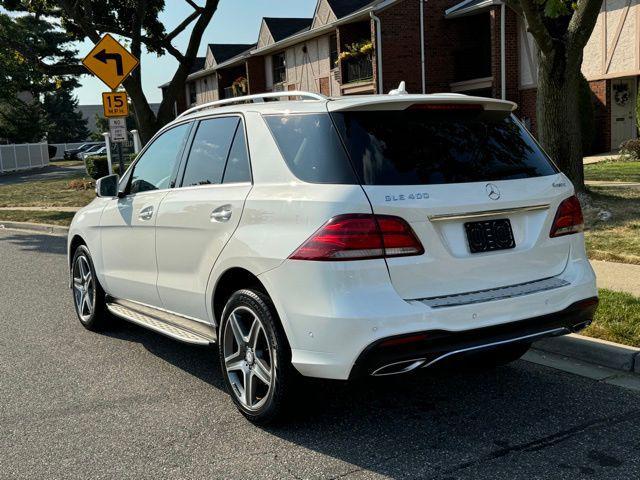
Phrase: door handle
x=221 y=214
x=146 y=213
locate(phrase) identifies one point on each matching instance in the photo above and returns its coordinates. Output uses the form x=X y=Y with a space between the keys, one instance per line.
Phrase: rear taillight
x=568 y=218
x=359 y=237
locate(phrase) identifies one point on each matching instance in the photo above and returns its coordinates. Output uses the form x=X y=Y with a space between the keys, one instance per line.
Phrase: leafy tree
x=66 y=122
x=138 y=22
x=561 y=29
x=23 y=121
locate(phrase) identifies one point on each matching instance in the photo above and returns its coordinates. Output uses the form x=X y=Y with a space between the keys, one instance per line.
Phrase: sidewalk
x=607 y=183
x=622 y=277
x=600 y=157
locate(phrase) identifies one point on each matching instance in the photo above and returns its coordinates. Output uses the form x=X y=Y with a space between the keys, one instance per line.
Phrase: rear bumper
x=403 y=353
x=332 y=312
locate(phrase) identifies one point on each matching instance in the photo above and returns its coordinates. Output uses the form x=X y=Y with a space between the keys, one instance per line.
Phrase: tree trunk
x=558 y=112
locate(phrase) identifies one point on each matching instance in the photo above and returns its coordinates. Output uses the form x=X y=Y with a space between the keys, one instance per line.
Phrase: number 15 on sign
x=115 y=104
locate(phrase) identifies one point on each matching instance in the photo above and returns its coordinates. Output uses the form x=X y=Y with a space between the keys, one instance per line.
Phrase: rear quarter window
x=421 y=147
x=311 y=148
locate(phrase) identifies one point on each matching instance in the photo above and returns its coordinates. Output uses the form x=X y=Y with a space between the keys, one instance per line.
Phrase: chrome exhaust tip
x=398 y=367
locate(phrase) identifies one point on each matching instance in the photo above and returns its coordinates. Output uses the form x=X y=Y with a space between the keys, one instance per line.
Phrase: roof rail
x=258 y=98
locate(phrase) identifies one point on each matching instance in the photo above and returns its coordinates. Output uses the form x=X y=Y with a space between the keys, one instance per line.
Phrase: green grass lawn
x=617 y=319
x=46 y=193
x=35 y=216
x=613 y=171
x=616 y=239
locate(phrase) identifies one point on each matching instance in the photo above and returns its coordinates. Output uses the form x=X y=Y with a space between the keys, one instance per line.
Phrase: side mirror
x=107 y=186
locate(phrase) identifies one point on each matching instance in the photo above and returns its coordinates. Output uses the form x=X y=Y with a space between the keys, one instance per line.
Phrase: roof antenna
x=401 y=90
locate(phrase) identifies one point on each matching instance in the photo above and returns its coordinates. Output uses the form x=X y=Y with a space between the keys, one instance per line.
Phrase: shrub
x=98 y=165
x=631 y=148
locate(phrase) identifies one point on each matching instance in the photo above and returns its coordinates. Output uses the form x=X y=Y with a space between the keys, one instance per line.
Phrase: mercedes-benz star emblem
x=492 y=191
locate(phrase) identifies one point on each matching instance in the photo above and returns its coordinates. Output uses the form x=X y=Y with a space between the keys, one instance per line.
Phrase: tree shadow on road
x=35 y=242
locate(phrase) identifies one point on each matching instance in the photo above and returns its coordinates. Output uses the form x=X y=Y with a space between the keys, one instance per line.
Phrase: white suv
x=336 y=238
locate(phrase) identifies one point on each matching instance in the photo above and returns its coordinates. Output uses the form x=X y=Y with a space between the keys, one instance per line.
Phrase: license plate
x=489 y=235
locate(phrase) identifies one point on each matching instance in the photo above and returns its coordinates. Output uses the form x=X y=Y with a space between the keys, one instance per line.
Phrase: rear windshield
x=418 y=147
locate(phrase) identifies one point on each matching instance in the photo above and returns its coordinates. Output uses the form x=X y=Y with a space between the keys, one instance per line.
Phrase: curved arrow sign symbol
x=103 y=57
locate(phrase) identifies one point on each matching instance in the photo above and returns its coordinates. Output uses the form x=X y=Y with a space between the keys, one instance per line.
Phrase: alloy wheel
x=83 y=288
x=248 y=358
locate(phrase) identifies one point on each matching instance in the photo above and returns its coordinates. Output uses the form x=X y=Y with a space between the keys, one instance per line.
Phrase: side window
x=209 y=151
x=154 y=169
x=238 y=169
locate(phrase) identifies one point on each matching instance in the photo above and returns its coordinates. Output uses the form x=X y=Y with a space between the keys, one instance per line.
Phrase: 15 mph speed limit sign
x=118 y=129
x=115 y=104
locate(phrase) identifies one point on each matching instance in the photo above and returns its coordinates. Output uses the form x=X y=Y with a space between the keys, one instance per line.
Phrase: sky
x=235 y=21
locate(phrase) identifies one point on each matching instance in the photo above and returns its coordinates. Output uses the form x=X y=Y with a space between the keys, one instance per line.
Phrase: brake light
x=360 y=237
x=568 y=218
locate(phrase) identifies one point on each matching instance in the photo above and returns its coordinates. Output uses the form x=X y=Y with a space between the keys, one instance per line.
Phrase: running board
x=174 y=326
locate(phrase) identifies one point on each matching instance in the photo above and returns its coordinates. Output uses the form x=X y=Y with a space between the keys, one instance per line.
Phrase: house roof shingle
x=224 y=51
x=342 y=8
x=282 y=28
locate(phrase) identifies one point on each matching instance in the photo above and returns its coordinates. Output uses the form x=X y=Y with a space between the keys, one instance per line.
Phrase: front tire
x=88 y=295
x=255 y=357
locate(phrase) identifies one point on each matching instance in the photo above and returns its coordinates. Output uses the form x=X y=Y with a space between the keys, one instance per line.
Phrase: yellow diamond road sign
x=110 y=61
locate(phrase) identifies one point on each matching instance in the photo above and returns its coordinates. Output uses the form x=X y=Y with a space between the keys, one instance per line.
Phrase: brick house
x=477 y=47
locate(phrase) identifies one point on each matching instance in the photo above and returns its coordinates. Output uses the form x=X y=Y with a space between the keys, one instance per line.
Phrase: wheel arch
x=232 y=280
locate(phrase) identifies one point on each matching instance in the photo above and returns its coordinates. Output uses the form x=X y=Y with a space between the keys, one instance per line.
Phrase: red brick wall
x=401 y=46
x=527 y=108
x=511 y=54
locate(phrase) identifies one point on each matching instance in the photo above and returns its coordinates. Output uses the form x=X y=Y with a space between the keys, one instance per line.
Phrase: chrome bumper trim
x=486 y=213
x=494 y=293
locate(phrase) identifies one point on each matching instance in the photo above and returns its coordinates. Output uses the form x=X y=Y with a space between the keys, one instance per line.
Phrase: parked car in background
x=72 y=154
x=91 y=150
x=337 y=238
x=100 y=151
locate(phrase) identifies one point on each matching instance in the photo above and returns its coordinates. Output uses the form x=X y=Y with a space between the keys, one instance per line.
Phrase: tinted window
x=428 y=147
x=311 y=148
x=209 y=151
x=156 y=165
x=238 y=169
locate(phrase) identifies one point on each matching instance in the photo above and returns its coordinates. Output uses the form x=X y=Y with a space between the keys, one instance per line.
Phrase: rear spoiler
x=402 y=102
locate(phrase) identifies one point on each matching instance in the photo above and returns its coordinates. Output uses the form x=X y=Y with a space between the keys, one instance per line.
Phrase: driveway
x=133 y=404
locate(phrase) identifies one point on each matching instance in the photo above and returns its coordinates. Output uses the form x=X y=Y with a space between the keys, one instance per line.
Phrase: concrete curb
x=591 y=350
x=35 y=227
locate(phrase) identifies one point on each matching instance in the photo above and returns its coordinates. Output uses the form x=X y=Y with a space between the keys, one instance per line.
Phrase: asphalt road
x=133 y=404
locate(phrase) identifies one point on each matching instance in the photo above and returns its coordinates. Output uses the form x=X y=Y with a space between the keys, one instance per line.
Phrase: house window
x=333 y=50
x=279 y=68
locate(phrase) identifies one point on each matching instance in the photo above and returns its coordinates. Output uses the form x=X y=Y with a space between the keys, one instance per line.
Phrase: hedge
x=98 y=165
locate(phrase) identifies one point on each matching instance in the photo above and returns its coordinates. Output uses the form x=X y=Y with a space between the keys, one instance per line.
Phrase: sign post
x=118 y=134
x=108 y=145
x=112 y=63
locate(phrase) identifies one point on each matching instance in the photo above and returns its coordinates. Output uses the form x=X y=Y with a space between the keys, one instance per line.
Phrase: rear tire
x=255 y=357
x=88 y=295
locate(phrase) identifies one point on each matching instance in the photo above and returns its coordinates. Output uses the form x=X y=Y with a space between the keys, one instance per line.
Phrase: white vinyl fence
x=23 y=156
